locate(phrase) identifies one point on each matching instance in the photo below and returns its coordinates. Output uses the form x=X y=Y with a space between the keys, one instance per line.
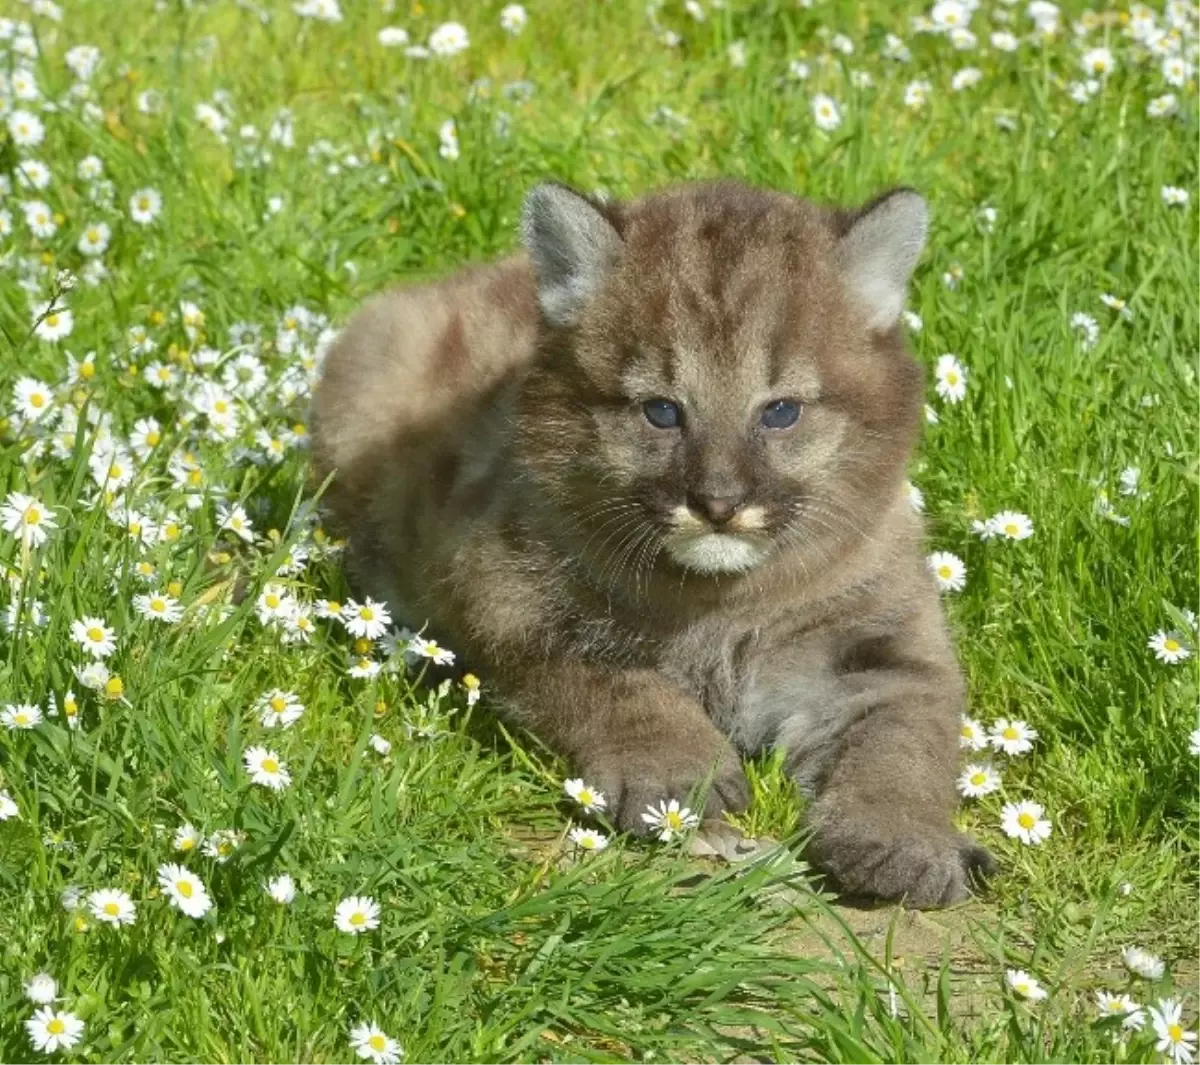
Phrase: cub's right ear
x=573 y=247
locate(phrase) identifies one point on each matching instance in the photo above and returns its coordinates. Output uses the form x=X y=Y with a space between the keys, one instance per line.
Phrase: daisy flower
x=94 y=676
x=380 y=745
x=185 y=891
x=112 y=906
x=432 y=650
x=951 y=378
x=1129 y=478
x=94 y=637
x=825 y=111
x=1024 y=821
x=1012 y=737
x=949 y=571
x=282 y=889
x=1142 y=963
x=235 y=520
x=1173 y=196
x=32 y=397
x=392 y=37
x=70 y=708
x=20 y=716
x=1168 y=647
x=449 y=39
x=588 y=839
x=915 y=497
x=26 y=129
x=473 y=688
x=971 y=735
x=330 y=609
x=1120 y=1006
x=1012 y=525
x=25 y=516
x=158 y=607
x=8 y=808
x=372 y=1043
x=51 y=1030
x=1024 y=985
x=369 y=620
x=279 y=708
x=145 y=206
x=266 y=769
x=913 y=321
x=513 y=19
x=589 y=798
x=1194 y=742
x=41 y=989
x=356 y=914
x=187 y=837
x=1173 y=1040
x=975 y=781
x=94 y=239
x=222 y=843
x=1097 y=62
x=274 y=604
x=668 y=819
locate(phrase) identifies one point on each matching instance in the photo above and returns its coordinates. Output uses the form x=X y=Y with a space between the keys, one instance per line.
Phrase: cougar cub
x=647 y=476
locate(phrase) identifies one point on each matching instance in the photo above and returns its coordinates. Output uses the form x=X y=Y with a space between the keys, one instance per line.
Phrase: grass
x=495 y=942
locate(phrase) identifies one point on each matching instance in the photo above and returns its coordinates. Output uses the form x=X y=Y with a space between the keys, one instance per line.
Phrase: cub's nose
x=717 y=509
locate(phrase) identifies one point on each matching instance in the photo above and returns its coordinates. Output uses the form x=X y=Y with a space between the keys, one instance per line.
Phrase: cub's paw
x=708 y=782
x=924 y=867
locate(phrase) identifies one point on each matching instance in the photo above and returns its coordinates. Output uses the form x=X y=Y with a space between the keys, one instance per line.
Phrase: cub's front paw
x=709 y=781
x=925 y=867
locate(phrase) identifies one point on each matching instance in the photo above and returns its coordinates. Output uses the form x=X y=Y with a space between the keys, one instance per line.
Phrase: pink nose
x=718 y=509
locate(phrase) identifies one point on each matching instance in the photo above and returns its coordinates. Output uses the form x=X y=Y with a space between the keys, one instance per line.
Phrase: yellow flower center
x=1098 y=65
x=135 y=528
x=224 y=848
x=289 y=323
x=164 y=373
x=115 y=471
x=272 y=600
x=302 y=622
x=1011 y=733
x=1021 y=988
x=333 y=606
x=184 y=887
x=93 y=235
x=144 y=203
x=153 y=437
x=944 y=572
x=952 y=378
x=88 y=370
x=978 y=778
x=95 y=635
x=967 y=732
x=1170 y=644
x=197 y=477
x=52 y=320
x=470 y=682
x=33 y=515
x=21 y=718
x=1175 y=1033
x=187 y=844
x=269 y=765
x=1026 y=821
x=299 y=429
x=585 y=797
x=174 y=588
x=362 y=646
x=114 y=687
x=55 y=1027
x=70 y=707
x=358 y=918
x=367 y=614
x=112 y=909
x=1011 y=529
x=377 y=1043
x=158 y=605
x=278 y=704
x=673 y=820
x=37 y=399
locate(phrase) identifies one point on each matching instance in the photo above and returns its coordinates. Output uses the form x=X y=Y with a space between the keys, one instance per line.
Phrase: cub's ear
x=877 y=252
x=573 y=247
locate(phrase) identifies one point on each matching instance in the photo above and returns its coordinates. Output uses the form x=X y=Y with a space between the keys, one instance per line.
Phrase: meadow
x=236 y=824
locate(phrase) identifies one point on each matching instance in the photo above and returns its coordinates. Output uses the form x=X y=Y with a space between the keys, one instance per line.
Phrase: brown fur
x=497 y=477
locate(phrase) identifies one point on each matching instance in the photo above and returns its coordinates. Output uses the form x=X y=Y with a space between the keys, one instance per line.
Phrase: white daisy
x=971 y=735
x=589 y=798
x=266 y=769
x=826 y=113
x=1168 y=647
x=185 y=891
x=1012 y=737
x=1024 y=985
x=145 y=206
x=157 y=606
x=42 y=989
x=94 y=637
x=94 y=239
x=975 y=781
x=1122 y=1006
x=356 y=914
x=669 y=819
x=40 y=219
x=951 y=378
x=391 y=37
x=1173 y=1039
x=1142 y=963
x=1024 y=821
x=1173 y=196
x=278 y=708
x=26 y=129
x=51 y=1030
x=222 y=843
x=112 y=906
x=8 y=808
x=380 y=745
x=513 y=19
x=1012 y=525
x=235 y=520
x=274 y=604
x=373 y=1044
x=282 y=889
x=187 y=838
x=949 y=571
x=53 y=322
x=22 y=716
x=588 y=839
x=432 y=650
x=449 y=39
x=24 y=516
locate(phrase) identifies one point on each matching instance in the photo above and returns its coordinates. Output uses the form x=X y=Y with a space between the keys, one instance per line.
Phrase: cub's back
x=406 y=398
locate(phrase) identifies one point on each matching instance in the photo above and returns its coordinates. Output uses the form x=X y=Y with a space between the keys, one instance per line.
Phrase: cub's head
x=723 y=374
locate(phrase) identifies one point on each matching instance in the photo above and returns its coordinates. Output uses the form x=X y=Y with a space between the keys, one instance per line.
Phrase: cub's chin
x=716 y=552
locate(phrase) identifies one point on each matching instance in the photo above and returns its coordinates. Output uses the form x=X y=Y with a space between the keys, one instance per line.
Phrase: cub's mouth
x=733 y=546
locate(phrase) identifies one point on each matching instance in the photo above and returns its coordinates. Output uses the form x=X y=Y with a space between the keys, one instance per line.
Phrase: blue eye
x=662 y=413
x=781 y=414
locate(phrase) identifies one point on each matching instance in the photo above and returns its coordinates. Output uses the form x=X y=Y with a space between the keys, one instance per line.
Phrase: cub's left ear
x=876 y=255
